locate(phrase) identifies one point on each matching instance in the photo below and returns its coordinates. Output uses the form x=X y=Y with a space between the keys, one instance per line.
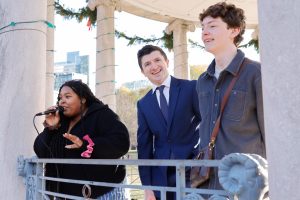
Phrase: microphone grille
x=60 y=109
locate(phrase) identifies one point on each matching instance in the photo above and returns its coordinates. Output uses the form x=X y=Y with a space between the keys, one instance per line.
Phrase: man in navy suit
x=168 y=119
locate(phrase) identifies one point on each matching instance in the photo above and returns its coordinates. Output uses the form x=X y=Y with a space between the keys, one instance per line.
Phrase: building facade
x=76 y=67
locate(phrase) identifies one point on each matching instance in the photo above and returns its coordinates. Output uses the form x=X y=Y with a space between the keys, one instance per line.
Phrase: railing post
x=40 y=184
x=180 y=181
x=163 y=194
x=30 y=172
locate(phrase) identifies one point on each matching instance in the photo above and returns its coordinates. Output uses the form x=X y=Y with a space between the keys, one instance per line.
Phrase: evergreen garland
x=166 y=39
x=82 y=13
x=252 y=42
x=195 y=44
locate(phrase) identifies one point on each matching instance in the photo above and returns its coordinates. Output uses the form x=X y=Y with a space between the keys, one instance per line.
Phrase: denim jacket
x=242 y=124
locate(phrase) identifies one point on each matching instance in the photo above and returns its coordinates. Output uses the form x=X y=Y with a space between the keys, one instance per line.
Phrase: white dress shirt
x=166 y=91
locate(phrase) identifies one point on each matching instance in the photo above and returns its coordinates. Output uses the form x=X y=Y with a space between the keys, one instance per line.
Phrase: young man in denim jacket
x=242 y=123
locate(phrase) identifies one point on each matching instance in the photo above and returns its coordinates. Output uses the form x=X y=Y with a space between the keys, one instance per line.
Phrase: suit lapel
x=154 y=107
x=173 y=97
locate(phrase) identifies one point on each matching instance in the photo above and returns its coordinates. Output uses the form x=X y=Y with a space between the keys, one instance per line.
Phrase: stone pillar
x=279 y=49
x=22 y=86
x=105 y=58
x=180 y=28
x=50 y=56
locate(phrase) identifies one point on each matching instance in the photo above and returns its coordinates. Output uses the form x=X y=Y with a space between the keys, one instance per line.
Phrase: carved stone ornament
x=30 y=188
x=244 y=176
x=194 y=196
x=21 y=166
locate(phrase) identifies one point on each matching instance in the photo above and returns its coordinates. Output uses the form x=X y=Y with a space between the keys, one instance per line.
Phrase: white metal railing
x=33 y=172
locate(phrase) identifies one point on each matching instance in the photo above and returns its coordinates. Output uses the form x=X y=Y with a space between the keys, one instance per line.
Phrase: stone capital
x=180 y=24
x=92 y=4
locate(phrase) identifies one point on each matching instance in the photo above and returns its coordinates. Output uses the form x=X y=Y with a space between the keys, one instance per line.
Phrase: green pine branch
x=82 y=13
x=195 y=44
x=254 y=43
x=166 y=39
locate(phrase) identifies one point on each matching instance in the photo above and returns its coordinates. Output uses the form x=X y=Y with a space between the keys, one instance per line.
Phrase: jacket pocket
x=234 y=110
x=204 y=102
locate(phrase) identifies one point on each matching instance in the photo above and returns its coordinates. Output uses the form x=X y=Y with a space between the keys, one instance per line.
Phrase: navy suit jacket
x=158 y=139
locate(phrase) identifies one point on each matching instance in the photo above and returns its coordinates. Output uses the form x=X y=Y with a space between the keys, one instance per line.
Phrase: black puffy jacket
x=111 y=140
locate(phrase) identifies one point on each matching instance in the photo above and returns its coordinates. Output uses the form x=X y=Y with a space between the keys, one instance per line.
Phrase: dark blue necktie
x=163 y=102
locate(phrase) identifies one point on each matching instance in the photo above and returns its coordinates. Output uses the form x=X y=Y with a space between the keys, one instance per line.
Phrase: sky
x=73 y=36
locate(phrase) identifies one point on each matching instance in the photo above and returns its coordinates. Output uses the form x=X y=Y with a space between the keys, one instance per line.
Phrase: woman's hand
x=77 y=142
x=52 y=119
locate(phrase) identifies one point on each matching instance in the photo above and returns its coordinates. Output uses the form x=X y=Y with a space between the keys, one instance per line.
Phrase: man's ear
x=235 y=32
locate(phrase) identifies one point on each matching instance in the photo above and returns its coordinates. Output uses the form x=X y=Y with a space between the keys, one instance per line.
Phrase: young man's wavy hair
x=234 y=17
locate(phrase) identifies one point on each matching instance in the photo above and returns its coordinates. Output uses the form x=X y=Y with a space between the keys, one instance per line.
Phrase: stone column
x=22 y=86
x=180 y=28
x=105 y=58
x=50 y=56
x=279 y=49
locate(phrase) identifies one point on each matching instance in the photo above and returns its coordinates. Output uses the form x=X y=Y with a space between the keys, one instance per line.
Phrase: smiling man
x=168 y=119
x=242 y=124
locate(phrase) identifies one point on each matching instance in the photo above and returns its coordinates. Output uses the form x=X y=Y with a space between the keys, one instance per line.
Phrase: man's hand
x=149 y=195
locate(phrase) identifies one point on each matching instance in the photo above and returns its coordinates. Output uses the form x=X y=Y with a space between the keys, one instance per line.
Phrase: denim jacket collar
x=232 y=68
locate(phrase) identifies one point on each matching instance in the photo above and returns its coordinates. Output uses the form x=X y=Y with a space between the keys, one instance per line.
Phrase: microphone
x=59 y=108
